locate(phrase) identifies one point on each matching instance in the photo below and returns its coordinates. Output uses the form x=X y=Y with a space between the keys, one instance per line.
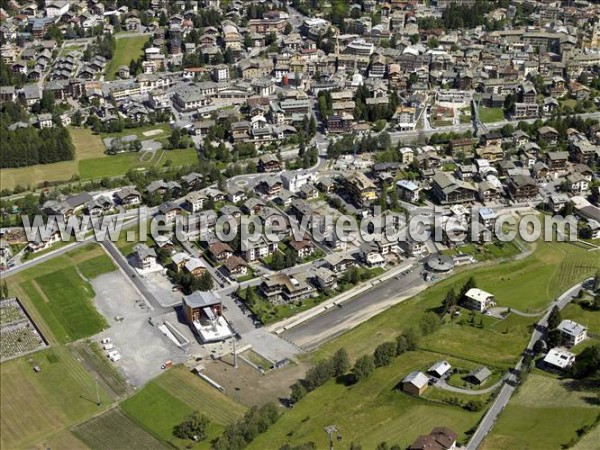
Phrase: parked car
x=105 y=340
x=108 y=346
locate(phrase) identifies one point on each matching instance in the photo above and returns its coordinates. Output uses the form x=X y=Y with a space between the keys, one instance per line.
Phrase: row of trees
x=256 y=421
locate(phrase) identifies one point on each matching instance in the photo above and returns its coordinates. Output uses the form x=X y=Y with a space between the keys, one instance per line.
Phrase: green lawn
x=493 y=250
x=489 y=115
x=369 y=412
x=36 y=405
x=543 y=414
x=127 y=49
x=168 y=400
x=165 y=130
x=119 y=165
x=114 y=430
x=591 y=319
x=527 y=285
x=58 y=298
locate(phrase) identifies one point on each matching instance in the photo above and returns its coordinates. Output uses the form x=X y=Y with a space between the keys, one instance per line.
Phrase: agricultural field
x=489 y=115
x=91 y=161
x=127 y=49
x=168 y=400
x=91 y=356
x=113 y=430
x=370 y=412
x=544 y=413
x=87 y=144
x=36 y=405
x=58 y=298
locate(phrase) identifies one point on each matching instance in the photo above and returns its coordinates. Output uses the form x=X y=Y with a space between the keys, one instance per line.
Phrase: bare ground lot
x=248 y=386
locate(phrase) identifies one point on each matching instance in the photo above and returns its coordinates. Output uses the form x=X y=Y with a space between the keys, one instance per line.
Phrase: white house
x=478 y=300
x=559 y=358
x=573 y=333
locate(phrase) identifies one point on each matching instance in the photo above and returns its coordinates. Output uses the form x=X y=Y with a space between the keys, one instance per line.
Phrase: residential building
x=572 y=332
x=478 y=300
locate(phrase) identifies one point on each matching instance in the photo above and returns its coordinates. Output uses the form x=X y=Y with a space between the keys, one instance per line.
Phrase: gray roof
x=200 y=299
x=480 y=373
x=418 y=379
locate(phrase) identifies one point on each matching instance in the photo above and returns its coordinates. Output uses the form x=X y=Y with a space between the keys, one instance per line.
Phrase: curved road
x=510 y=382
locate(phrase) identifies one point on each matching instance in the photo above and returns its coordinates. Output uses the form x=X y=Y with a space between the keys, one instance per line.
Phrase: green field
x=115 y=430
x=369 y=412
x=91 y=161
x=57 y=296
x=489 y=115
x=527 y=285
x=165 y=130
x=168 y=400
x=87 y=145
x=127 y=49
x=36 y=405
x=92 y=357
x=119 y=165
x=484 y=252
x=543 y=414
x=591 y=319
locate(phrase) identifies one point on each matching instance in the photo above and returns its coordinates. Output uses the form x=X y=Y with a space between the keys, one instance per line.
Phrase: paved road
x=509 y=386
x=334 y=321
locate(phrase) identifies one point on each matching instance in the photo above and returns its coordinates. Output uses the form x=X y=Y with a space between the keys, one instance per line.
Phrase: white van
x=115 y=356
x=108 y=346
x=105 y=340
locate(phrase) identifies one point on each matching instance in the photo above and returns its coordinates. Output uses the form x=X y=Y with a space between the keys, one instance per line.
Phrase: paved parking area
x=162 y=289
x=142 y=346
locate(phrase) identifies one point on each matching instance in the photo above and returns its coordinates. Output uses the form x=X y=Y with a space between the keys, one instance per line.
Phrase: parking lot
x=142 y=346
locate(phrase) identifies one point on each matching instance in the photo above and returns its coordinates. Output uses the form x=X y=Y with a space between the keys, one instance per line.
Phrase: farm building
x=415 y=383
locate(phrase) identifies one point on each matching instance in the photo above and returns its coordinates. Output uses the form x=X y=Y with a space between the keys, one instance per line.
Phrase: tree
x=429 y=323
x=412 y=339
x=384 y=354
x=449 y=300
x=288 y=28
x=363 y=367
x=319 y=374
x=587 y=364
x=298 y=392
x=597 y=281
x=341 y=362
x=206 y=282
x=193 y=427
x=470 y=284
x=554 y=318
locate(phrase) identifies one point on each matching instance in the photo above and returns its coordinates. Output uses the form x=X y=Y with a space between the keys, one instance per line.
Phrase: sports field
x=168 y=400
x=127 y=49
x=543 y=414
x=35 y=405
x=58 y=296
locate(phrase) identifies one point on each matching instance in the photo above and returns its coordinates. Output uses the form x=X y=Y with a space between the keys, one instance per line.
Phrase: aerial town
x=301 y=224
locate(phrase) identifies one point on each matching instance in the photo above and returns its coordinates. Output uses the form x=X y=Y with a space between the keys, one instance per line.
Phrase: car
x=105 y=340
x=108 y=346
